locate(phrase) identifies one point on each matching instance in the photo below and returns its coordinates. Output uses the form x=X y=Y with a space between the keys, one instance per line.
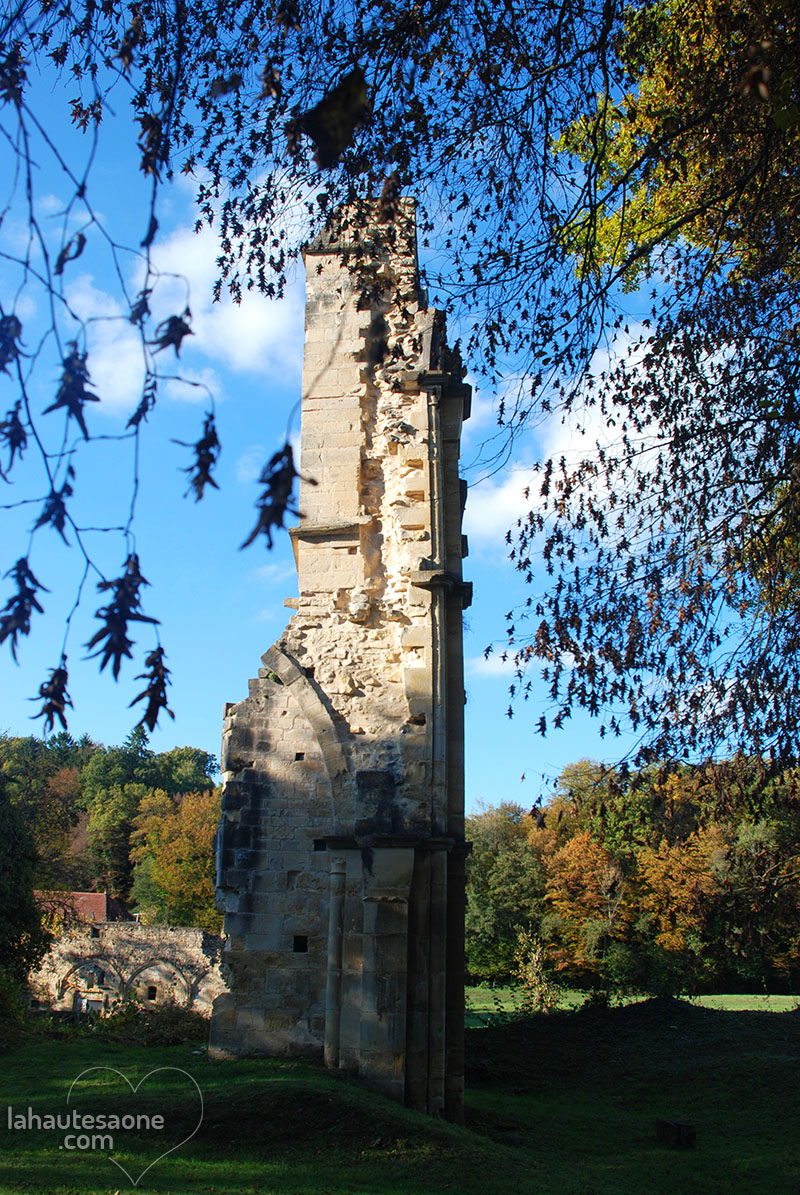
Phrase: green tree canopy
x=22 y=938
x=505 y=889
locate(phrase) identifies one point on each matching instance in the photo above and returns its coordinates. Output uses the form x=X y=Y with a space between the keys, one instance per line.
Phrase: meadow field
x=564 y=1102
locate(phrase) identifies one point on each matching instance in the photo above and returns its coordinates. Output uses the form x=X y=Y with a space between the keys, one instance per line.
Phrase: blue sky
x=219 y=608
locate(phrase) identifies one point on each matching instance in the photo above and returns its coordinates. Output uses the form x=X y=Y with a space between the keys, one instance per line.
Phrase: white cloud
x=49 y=204
x=115 y=358
x=250 y=464
x=257 y=335
x=194 y=386
x=492 y=508
x=483 y=413
x=275 y=574
x=492 y=665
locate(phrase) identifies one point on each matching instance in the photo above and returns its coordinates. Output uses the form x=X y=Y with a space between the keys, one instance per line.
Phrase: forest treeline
x=673 y=878
x=125 y=819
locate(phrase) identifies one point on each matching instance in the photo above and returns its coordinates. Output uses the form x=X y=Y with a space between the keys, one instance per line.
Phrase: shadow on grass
x=268 y=1126
x=583 y=1090
x=559 y=1103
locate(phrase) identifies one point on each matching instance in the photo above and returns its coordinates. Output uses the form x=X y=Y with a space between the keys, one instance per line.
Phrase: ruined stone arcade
x=341 y=845
x=92 y=967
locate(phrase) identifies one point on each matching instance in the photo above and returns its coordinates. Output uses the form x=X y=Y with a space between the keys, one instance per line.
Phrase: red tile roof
x=85 y=906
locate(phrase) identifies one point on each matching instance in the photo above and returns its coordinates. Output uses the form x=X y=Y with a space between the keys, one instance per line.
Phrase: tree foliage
x=22 y=938
x=679 y=878
x=79 y=802
x=671 y=546
x=558 y=154
x=504 y=890
x=173 y=850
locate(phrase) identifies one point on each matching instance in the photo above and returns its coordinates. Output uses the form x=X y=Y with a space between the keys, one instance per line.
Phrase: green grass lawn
x=483 y=1004
x=268 y=1126
x=562 y=1103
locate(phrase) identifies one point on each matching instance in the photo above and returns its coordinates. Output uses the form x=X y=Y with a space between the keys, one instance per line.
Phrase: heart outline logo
x=135 y=1181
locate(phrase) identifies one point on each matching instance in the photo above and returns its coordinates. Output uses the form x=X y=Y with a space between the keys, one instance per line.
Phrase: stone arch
x=196 y=986
x=161 y=962
x=93 y=962
x=316 y=709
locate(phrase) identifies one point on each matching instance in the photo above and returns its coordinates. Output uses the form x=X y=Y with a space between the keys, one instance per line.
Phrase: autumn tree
x=672 y=606
x=173 y=851
x=115 y=782
x=676 y=882
x=588 y=898
x=78 y=802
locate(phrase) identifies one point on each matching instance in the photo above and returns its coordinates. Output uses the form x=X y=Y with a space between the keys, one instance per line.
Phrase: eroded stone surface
x=93 y=967
x=341 y=848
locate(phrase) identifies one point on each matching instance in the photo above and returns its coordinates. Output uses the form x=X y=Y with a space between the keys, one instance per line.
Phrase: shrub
x=166 y=1024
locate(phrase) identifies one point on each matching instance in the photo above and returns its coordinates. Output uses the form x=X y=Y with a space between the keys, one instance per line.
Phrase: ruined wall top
x=370 y=339
x=369 y=231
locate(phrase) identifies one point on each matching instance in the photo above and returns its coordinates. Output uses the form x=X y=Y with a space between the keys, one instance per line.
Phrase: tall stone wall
x=341 y=845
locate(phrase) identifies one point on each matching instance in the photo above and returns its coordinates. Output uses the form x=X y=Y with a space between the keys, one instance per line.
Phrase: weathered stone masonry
x=341 y=845
x=92 y=967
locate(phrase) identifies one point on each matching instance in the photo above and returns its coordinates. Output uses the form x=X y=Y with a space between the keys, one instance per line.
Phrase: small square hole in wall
x=94 y=932
x=152 y=992
x=298 y=755
x=300 y=944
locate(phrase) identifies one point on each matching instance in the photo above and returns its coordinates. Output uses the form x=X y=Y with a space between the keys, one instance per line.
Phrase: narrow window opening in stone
x=152 y=992
x=100 y=978
x=291 y=879
x=298 y=755
x=94 y=932
x=300 y=944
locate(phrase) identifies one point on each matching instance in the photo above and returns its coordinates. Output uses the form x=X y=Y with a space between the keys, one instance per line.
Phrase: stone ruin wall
x=90 y=968
x=340 y=849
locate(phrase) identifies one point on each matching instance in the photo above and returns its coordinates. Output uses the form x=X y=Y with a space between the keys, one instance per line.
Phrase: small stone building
x=341 y=845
